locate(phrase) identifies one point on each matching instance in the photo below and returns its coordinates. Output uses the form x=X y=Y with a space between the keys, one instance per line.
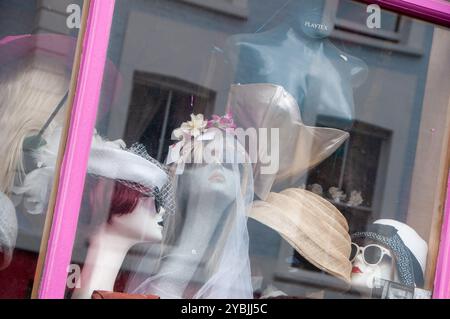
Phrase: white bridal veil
x=205 y=245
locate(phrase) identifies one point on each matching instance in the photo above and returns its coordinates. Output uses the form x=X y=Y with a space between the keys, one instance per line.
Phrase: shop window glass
x=336 y=189
x=37 y=50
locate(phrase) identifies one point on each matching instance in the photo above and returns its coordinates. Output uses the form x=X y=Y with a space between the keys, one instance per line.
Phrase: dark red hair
x=124 y=200
x=109 y=198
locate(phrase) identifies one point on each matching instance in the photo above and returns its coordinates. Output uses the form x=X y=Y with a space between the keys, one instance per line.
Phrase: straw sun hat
x=311 y=225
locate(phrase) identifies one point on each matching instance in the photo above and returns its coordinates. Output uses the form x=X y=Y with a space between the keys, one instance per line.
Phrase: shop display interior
x=243 y=149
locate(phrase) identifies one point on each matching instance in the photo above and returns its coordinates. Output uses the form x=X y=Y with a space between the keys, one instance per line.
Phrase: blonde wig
x=30 y=89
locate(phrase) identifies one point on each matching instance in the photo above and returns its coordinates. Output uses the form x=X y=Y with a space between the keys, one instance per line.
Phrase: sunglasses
x=372 y=254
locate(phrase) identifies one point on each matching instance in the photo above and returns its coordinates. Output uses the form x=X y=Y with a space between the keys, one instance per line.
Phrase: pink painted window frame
x=434 y=11
x=83 y=118
x=74 y=164
x=442 y=277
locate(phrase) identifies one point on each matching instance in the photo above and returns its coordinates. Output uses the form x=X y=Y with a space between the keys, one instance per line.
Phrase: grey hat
x=8 y=230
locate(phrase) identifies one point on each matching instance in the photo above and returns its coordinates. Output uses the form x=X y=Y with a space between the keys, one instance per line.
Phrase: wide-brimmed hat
x=8 y=230
x=132 y=167
x=311 y=225
x=300 y=147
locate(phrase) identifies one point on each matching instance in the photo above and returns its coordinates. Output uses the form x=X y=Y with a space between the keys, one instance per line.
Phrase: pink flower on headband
x=225 y=122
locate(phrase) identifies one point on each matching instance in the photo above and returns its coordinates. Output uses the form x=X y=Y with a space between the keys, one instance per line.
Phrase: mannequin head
x=366 y=268
x=143 y=223
x=314 y=21
x=205 y=243
x=123 y=210
x=122 y=217
x=213 y=181
x=210 y=184
x=120 y=210
x=404 y=255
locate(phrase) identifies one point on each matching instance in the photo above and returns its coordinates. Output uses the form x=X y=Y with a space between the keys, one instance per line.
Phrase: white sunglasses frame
x=384 y=252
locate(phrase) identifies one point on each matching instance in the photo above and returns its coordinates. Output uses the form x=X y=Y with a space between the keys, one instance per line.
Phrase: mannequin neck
x=202 y=216
x=106 y=253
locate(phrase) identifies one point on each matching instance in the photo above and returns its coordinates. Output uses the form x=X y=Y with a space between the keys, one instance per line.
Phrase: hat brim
x=300 y=147
x=118 y=164
x=308 y=229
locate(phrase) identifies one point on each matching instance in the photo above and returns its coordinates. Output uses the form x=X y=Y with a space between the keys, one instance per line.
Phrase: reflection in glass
x=36 y=56
x=362 y=116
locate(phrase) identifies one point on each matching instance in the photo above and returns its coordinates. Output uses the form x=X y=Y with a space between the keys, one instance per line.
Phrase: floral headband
x=193 y=133
x=198 y=125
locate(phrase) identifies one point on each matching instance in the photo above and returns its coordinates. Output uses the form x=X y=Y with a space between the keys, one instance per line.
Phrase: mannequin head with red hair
x=114 y=204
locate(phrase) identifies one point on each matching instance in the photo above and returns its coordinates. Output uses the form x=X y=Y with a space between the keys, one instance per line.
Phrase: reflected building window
x=236 y=8
x=159 y=104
